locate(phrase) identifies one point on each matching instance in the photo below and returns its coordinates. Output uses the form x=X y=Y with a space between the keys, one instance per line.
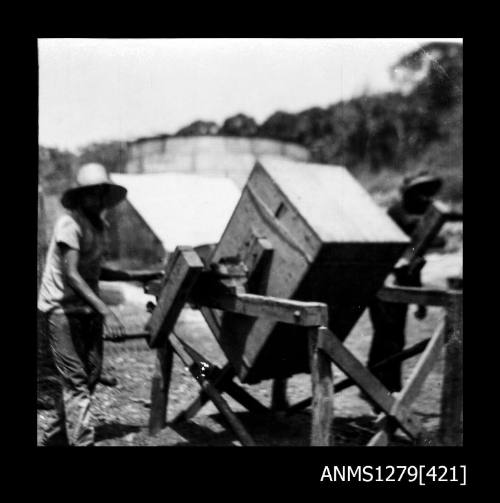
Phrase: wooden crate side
x=347 y=277
x=302 y=267
x=241 y=337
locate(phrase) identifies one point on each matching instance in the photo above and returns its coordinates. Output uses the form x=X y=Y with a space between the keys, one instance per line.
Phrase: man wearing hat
x=389 y=318
x=69 y=299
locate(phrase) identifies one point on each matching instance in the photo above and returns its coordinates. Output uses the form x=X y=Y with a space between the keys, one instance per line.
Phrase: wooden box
x=331 y=243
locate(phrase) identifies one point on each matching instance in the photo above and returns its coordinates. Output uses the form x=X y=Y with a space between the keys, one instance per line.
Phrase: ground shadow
x=196 y=434
x=282 y=430
x=113 y=430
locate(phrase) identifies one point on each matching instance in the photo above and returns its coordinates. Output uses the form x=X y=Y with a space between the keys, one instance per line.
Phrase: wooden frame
x=184 y=269
x=325 y=348
x=212 y=380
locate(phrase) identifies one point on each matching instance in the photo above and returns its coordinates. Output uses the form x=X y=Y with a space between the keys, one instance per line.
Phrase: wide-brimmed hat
x=90 y=176
x=422 y=181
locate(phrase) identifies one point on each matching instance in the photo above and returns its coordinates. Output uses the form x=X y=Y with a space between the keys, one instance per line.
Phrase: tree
x=239 y=125
x=112 y=155
x=199 y=128
x=280 y=126
x=56 y=169
x=433 y=72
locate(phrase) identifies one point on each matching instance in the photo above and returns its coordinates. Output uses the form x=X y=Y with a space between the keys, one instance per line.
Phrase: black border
x=205 y=467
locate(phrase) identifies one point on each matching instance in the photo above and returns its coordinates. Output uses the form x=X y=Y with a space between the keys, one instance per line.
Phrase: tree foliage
x=112 y=155
x=199 y=128
x=387 y=130
x=239 y=125
x=420 y=122
x=434 y=73
x=56 y=169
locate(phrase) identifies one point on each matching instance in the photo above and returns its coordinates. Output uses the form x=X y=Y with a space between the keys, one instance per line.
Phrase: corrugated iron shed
x=181 y=209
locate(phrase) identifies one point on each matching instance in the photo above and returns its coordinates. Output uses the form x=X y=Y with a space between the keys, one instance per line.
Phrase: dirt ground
x=121 y=413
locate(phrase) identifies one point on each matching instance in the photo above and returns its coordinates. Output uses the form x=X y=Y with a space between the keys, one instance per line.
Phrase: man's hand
x=408 y=274
x=113 y=327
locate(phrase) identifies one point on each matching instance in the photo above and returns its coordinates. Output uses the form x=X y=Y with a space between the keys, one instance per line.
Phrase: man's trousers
x=77 y=348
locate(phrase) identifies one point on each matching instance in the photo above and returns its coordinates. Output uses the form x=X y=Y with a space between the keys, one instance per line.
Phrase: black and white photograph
x=248 y=242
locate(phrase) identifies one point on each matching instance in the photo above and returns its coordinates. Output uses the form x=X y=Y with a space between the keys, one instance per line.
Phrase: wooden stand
x=325 y=349
x=181 y=270
x=448 y=334
x=187 y=280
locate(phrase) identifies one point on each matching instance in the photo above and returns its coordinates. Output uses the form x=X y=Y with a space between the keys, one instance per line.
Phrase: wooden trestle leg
x=322 y=391
x=450 y=431
x=159 y=389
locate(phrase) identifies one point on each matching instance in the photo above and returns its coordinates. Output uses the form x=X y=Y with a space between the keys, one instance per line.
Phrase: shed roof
x=181 y=209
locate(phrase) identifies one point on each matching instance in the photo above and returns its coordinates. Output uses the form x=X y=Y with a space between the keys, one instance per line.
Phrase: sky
x=93 y=90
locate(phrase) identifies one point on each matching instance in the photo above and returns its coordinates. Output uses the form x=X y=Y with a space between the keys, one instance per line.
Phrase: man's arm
x=70 y=258
x=109 y=274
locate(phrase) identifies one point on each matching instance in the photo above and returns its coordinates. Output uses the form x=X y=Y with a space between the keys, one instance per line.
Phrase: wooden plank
x=349 y=364
x=426 y=231
x=380 y=439
x=414 y=295
x=202 y=398
x=421 y=370
x=452 y=395
x=181 y=272
x=322 y=392
x=243 y=397
x=258 y=262
x=211 y=391
x=383 y=437
x=160 y=386
x=295 y=312
x=222 y=379
x=348 y=382
x=413 y=385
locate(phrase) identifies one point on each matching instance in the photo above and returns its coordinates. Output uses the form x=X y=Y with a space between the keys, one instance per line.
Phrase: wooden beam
x=422 y=369
x=211 y=391
x=420 y=296
x=181 y=272
x=450 y=430
x=202 y=398
x=413 y=385
x=348 y=382
x=160 y=387
x=427 y=229
x=307 y=314
x=349 y=364
x=222 y=379
x=387 y=425
x=322 y=391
